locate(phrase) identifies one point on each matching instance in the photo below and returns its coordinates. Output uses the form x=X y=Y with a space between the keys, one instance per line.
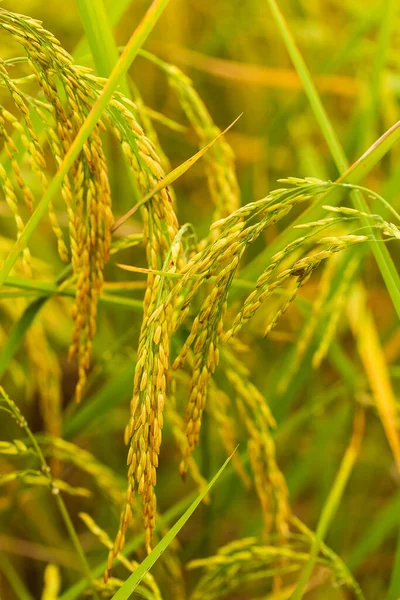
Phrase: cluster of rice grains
x=188 y=285
x=86 y=190
x=168 y=307
x=242 y=563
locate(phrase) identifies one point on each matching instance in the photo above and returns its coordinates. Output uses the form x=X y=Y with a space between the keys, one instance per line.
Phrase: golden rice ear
x=197 y=320
x=87 y=191
x=242 y=561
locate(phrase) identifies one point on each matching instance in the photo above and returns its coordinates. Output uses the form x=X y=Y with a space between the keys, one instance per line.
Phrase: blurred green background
x=234 y=54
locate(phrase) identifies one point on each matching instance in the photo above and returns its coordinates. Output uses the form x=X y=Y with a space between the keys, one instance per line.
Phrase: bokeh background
x=234 y=54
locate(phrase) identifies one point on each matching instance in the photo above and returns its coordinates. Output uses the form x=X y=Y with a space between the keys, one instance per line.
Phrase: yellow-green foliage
x=203 y=321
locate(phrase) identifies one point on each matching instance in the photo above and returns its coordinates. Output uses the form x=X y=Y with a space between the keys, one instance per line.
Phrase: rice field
x=199 y=300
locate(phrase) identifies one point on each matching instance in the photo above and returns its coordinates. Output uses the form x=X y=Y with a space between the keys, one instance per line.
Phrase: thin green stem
x=15 y=581
x=53 y=289
x=370 y=192
x=386 y=21
x=56 y=492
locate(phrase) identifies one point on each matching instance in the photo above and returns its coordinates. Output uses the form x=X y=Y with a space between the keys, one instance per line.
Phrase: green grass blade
x=52 y=289
x=331 y=504
x=17 y=333
x=386 y=23
x=99 y=35
x=381 y=253
x=112 y=394
x=76 y=590
x=131 y=583
x=131 y=49
x=378 y=531
x=171 y=177
x=100 y=38
x=313 y=97
x=114 y=11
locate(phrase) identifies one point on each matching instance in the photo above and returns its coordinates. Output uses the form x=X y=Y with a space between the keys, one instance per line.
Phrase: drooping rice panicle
x=219 y=406
x=91 y=213
x=243 y=561
x=87 y=191
x=342 y=572
x=149 y=129
x=305 y=339
x=221 y=172
x=143 y=432
x=178 y=428
x=301 y=269
x=220 y=260
x=258 y=420
x=203 y=375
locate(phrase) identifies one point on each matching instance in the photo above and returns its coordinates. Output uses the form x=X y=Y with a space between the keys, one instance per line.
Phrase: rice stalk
x=8 y=406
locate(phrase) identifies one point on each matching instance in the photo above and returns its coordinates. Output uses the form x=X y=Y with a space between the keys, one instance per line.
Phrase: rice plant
x=199 y=306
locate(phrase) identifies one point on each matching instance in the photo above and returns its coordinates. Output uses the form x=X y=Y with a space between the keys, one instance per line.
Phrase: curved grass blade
x=76 y=590
x=128 y=55
x=114 y=11
x=100 y=37
x=19 y=329
x=17 y=333
x=52 y=289
x=381 y=253
x=131 y=583
x=189 y=504
x=309 y=87
x=172 y=176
